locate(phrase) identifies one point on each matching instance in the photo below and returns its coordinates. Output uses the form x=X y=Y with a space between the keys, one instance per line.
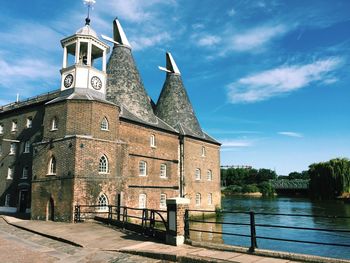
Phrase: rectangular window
x=210 y=199
x=198 y=199
x=203 y=151
x=153 y=140
x=14 y=125
x=142 y=201
x=29 y=122
x=10 y=173
x=162 y=201
x=142 y=168
x=27 y=147
x=163 y=170
x=198 y=174
x=7 y=200
x=1 y=128
x=209 y=175
x=12 y=148
x=25 y=173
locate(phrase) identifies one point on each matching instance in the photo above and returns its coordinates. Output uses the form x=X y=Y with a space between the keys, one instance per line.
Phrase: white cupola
x=84 y=62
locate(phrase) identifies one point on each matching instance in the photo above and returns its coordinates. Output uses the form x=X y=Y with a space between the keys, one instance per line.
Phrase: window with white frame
x=203 y=151
x=142 y=168
x=163 y=170
x=29 y=123
x=104 y=124
x=14 y=125
x=7 y=200
x=12 y=148
x=210 y=199
x=25 y=173
x=162 y=201
x=142 y=201
x=209 y=175
x=102 y=203
x=198 y=199
x=103 y=165
x=10 y=173
x=52 y=166
x=27 y=147
x=1 y=128
x=198 y=174
x=54 y=124
x=153 y=140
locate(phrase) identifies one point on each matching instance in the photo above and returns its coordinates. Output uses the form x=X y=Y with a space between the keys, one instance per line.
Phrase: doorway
x=50 y=210
x=23 y=200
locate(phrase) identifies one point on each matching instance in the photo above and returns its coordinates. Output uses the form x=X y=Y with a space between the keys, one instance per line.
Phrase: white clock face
x=68 y=81
x=96 y=83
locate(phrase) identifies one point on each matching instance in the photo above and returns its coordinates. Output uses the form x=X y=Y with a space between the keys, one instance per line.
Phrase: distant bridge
x=291 y=187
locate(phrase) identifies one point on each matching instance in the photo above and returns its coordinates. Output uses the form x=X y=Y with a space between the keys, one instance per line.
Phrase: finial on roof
x=89 y=4
x=118 y=33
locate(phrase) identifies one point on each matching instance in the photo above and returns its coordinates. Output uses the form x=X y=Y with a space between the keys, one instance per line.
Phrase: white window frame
x=29 y=123
x=52 y=169
x=25 y=172
x=103 y=165
x=7 y=200
x=1 y=128
x=13 y=148
x=209 y=175
x=104 y=125
x=102 y=202
x=142 y=201
x=142 y=168
x=153 y=141
x=210 y=198
x=54 y=124
x=14 y=126
x=163 y=170
x=10 y=172
x=198 y=199
x=203 y=151
x=162 y=203
x=26 y=147
x=198 y=174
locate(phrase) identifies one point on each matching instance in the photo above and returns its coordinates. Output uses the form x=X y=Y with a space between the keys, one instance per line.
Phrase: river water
x=285 y=205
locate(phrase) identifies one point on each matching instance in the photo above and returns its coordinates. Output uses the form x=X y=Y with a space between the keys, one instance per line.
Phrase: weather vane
x=89 y=4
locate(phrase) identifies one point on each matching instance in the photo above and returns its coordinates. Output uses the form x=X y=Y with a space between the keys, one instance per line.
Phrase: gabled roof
x=124 y=84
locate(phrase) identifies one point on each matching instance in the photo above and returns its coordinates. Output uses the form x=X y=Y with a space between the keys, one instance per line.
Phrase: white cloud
x=198 y=26
x=291 y=134
x=255 y=38
x=208 y=40
x=144 y=42
x=282 y=80
x=228 y=143
x=231 y=12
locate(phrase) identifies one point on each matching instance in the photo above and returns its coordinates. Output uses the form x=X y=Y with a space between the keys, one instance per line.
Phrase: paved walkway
x=99 y=237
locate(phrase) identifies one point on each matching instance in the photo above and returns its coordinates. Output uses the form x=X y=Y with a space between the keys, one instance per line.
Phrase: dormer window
x=29 y=123
x=54 y=124
x=104 y=124
x=153 y=140
x=14 y=126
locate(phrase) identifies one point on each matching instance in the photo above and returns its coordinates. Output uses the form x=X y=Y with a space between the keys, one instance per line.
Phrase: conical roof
x=124 y=84
x=174 y=106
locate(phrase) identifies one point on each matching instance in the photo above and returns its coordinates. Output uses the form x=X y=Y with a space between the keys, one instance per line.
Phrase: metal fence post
x=109 y=212
x=253 y=243
x=118 y=212
x=187 y=226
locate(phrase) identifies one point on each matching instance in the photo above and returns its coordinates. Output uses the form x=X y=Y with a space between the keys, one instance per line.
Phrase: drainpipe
x=182 y=186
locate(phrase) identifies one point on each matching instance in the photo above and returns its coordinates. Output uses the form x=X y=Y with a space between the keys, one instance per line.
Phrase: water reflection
x=285 y=205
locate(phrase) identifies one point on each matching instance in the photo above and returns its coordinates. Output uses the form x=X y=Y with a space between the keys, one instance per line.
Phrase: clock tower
x=84 y=62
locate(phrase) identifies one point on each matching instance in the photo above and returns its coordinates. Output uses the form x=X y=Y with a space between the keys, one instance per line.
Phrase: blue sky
x=269 y=79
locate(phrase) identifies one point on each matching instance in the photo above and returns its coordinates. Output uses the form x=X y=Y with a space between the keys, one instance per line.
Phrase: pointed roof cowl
x=124 y=84
x=174 y=106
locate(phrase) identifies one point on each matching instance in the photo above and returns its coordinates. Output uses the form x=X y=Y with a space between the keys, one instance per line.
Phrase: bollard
x=253 y=243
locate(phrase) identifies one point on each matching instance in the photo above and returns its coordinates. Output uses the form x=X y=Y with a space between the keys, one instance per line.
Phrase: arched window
x=209 y=175
x=198 y=174
x=142 y=201
x=142 y=168
x=54 y=124
x=104 y=124
x=153 y=140
x=103 y=165
x=52 y=165
x=210 y=199
x=102 y=203
x=203 y=151
x=198 y=199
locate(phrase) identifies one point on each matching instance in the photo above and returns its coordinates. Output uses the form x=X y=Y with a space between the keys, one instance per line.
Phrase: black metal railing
x=253 y=225
x=148 y=221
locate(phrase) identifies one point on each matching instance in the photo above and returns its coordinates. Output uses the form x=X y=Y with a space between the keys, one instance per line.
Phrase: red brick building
x=101 y=140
